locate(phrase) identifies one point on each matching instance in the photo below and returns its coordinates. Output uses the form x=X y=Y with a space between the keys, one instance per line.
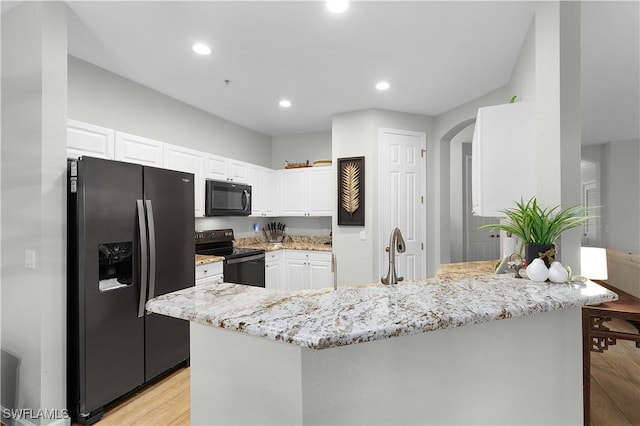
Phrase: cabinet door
x=321 y=191
x=257 y=190
x=216 y=167
x=273 y=275
x=320 y=275
x=139 y=150
x=296 y=274
x=90 y=140
x=293 y=193
x=238 y=171
x=188 y=160
x=497 y=183
x=271 y=195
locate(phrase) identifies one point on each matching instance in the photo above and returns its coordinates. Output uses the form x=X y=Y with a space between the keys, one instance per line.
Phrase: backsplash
x=309 y=239
x=243 y=226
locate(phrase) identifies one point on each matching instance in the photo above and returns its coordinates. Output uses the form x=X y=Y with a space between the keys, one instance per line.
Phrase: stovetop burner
x=219 y=242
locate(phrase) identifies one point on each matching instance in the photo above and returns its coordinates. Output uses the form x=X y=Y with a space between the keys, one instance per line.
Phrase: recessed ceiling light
x=382 y=85
x=337 y=6
x=201 y=49
x=285 y=103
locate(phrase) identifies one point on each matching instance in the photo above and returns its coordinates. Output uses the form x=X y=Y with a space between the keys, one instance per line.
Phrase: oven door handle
x=245 y=259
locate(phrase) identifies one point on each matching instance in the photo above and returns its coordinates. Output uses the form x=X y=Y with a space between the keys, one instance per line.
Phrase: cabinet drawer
x=208 y=270
x=310 y=255
x=274 y=256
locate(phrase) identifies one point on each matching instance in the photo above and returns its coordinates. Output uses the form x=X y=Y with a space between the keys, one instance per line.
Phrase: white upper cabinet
x=191 y=161
x=90 y=140
x=504 y=167
x=264 y=191
x=307 y=191
x=221 y=168
x=321 y=191
x=293 y=194
x=139 y=150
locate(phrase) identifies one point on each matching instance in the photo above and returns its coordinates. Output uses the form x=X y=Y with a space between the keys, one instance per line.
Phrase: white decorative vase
x=558 y=273
x=537 y=271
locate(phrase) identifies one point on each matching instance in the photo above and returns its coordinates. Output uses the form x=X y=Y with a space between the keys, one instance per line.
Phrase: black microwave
x=227 y=199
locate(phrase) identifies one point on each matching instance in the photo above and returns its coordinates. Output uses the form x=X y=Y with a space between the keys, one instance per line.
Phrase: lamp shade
x=593 y=263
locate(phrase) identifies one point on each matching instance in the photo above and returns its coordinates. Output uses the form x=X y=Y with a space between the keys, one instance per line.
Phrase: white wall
x=456 y=189
x=100 y=97
x=447 y=126
x=34 y=113
x=523 y=80
x=620 y=195
x=356 y=134
x=299 y=148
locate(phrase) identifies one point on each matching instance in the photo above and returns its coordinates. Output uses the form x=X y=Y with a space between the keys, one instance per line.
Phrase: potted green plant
x=539 y=227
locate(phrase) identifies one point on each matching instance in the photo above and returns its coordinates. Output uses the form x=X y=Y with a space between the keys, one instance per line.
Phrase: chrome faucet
x=395 y=242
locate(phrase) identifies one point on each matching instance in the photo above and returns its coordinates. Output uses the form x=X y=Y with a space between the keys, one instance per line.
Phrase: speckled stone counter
x=450 y=361
x=326 y=318
x=202 y=259
x=455 y=271
x=292 y=242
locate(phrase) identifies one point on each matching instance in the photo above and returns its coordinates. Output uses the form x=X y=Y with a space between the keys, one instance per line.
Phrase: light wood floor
x=615 y=392
x=615 y=381
x=166 y=402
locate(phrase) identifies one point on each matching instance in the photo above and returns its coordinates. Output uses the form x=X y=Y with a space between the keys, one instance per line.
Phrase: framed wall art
x=351 y=191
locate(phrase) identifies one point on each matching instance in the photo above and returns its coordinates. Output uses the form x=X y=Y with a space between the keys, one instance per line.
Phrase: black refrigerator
x=130 y=238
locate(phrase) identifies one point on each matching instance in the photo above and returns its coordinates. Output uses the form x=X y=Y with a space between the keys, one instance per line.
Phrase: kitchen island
x=435 y=352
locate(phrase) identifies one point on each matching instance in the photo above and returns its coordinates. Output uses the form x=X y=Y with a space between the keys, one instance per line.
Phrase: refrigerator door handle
x=152 y=250
x=142 y=226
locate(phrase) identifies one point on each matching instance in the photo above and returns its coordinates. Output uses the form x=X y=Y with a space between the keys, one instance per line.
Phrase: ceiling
x=435 y=55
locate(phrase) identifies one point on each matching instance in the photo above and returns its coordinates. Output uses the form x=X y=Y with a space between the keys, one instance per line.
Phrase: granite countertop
x=326 y=318
x=289 y=245
x=453 y=271
x=202 y=259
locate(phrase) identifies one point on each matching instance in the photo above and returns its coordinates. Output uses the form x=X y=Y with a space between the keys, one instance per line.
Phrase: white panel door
x=402 y=189
x=90 y=140
x=188 y=160
x=590 y=201
x=139 y=150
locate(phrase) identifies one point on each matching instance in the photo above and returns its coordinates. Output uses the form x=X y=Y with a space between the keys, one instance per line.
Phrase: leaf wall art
x=351 y=191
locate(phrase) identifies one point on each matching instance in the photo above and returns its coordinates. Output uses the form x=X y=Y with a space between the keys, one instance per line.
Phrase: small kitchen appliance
x=240 y=265
x=227 y=198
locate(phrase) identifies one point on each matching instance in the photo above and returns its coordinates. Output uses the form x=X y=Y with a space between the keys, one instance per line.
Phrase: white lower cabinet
x=273 y=266
x=209 y=272
x=307 y=269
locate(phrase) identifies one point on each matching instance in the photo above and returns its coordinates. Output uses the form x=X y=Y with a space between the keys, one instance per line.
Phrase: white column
x=558 y=120
x=34 y=113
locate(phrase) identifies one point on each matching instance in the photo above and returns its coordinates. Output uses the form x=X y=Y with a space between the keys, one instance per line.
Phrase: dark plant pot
x=532 y=251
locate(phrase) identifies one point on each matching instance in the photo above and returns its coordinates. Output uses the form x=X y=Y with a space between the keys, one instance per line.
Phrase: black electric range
x=240 y=265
